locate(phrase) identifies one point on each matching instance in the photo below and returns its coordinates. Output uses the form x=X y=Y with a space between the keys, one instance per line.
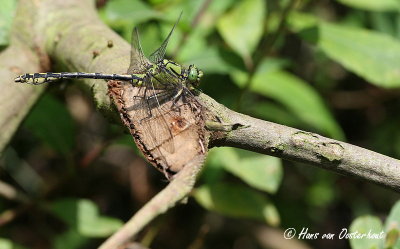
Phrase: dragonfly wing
x=149 y=106
x=139 y=63
x=159 y=54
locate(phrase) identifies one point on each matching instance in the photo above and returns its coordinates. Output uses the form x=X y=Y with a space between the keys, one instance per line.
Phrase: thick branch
x=71 y=33
x=296 y=145
x=15 y=101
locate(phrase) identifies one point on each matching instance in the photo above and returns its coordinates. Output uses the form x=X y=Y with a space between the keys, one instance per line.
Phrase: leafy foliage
x=330 y=67
x=372 y=226
x=237 y=201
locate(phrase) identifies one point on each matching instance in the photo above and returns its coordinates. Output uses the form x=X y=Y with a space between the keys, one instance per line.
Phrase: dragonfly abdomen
x=40 y=78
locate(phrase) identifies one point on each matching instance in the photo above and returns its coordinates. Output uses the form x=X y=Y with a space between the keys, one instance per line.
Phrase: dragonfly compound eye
x=194 y=74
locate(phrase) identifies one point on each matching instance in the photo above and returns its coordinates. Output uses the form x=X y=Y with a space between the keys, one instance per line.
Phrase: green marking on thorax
x=170 y=65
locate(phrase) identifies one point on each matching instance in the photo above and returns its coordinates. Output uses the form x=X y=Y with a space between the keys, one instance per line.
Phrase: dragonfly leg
x=148 y=106
x=179 y=95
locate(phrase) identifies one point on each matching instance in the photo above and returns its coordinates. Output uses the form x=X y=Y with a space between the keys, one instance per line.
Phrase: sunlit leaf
x=373 y=5
x=392 y=239
x=210 y=61
x=129 y=11
x=8 y=244
x=50 y=121
x=242 y=27
x=224 y=155
x=295 y=94
x=261 y=172
x=83 y=215
x=237 y=201
x=7 y=11
x=207 y=57
x=371 y=55
x=220 y=7
x=214 y=171
x=393 y=220
x=366 y=225
x=298 y=21
x=392 y=225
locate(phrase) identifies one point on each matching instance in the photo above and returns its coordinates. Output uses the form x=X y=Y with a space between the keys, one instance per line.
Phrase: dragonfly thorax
x=188 y=76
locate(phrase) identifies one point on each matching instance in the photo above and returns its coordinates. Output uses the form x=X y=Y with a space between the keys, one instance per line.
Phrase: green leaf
x=273 y=112
x=382 y=22
x=237 y=201
x=223 y=155
x=128 y=11
x=207 y=57
x=373 y=5
x=392 y=226
x=261 y=172
x=371 y=55
x=214 y=171
x=295 y=94
x=366 y=225
x=83 y=216
x=7 y=11
x=321 y=193
x=242 y=27
x=393 y=220
x=298 y=21
x=8 y=244
x=50 y=121
x=216 y=8
x=210 y=61
x=69 y=239
x=392 y=239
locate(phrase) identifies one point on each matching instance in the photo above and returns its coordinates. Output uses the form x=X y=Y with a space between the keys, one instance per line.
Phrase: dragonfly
x=155 y=72
x=155 y=81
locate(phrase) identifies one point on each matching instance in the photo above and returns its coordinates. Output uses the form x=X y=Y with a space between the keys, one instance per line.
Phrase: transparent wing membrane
x=139 y=63
x=159 y=54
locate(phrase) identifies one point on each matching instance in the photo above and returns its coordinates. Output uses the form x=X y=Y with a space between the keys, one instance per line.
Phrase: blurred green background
x=330 y=67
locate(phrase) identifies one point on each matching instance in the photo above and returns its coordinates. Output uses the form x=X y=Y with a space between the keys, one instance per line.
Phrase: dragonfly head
x=194 y=75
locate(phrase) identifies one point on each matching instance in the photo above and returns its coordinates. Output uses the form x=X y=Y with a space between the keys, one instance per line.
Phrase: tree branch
x=15 y=101
x=175 y=191
x=73 y=36
x=301 y=146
